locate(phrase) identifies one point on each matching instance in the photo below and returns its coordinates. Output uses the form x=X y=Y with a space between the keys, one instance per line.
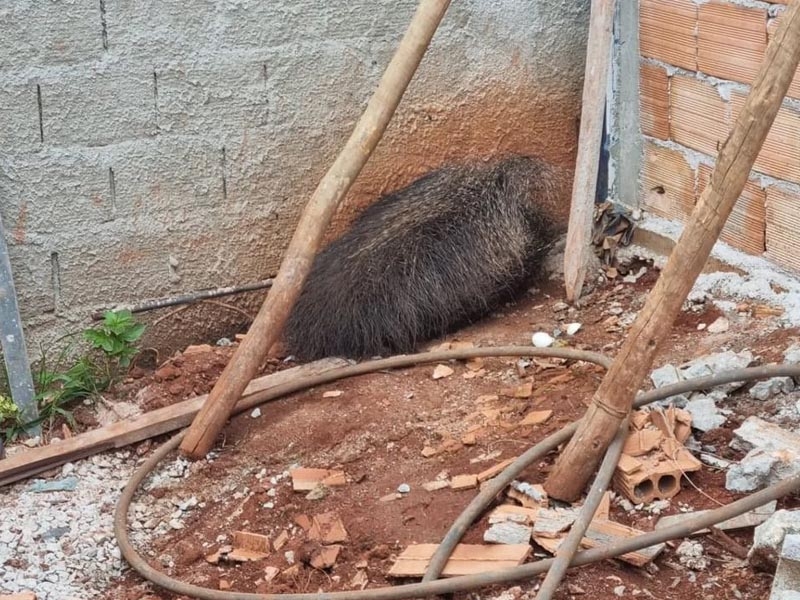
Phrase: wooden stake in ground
x=584 y=185
x=307 y=237
x=614 y=397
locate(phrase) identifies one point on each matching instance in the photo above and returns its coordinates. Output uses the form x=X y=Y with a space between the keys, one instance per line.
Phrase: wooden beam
x=307 y=238
x=613 y=398
x=147 y=425
x=584 y=186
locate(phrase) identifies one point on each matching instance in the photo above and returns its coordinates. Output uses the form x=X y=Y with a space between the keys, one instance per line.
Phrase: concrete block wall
x=159 y=147
x=696 y=63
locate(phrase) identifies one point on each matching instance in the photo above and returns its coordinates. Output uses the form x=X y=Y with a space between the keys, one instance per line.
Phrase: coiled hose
x=567 y=555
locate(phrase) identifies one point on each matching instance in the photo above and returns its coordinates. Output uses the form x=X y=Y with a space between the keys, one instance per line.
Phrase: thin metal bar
x=13 y=343
x=187 y=298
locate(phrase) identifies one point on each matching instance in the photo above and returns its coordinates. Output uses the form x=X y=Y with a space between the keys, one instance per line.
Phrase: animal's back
x=439 y=253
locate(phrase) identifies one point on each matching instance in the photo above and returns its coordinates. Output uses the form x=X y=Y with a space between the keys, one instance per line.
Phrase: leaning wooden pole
x=590 y=137
x=308 y=236
x=614 y=396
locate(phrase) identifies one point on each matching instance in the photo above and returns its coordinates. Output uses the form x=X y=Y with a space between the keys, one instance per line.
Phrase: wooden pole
x=614 y=396
x=584 y=185
x=308 y=236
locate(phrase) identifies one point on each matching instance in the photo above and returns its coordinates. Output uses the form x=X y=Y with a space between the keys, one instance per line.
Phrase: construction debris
x=432 y=486
x=530 y=496
x=467 y=559
x=508 y=532
x=514 y=513
x=766 y=389
x=768 y=538
x=551 y=522
x=464 y=482
x=654 y=457
x=536 y=417
x=786 y=584
x=495 y=470
x=605 y=533
x=701 y=367
x=442 y=371
x=304 y=480
x=773 y=454
x=325 y=557
x=691 y=555
x=327 y=528
x=251 y=541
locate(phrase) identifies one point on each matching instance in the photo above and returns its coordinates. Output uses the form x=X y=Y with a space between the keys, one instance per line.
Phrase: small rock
x=691 y=554
x=289 y=556
x=224 y=342
x=560 y=306
x=403 y=488
x=442 y=371
x=705 y=415
x=773 y=454
x=575 y=590
x=68 y=484
x=619 y=590
x=432 y=486
x=540 y=339
x=332 y=394
x=657 y=507
x=176 y=524
x=318 y=493
x=572 y=328
x=256 y=413
x=764 y=390
x=508 y=532
x=768 y=538
x=721 y=325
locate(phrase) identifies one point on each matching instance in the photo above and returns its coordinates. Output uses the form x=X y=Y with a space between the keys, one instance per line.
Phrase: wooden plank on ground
x=467 y=559
x=150 y=424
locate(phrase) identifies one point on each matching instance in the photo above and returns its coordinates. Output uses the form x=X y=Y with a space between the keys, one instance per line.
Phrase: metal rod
x=15 y=354
x=187 y=298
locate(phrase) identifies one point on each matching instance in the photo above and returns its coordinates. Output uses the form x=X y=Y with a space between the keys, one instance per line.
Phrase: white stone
x=720 y=325
x=705 y=414
x=541 y=339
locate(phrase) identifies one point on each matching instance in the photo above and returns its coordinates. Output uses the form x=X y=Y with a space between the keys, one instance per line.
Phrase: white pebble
x=573 y=328
x=540 y=339
x=403 y=488
x=256 y=413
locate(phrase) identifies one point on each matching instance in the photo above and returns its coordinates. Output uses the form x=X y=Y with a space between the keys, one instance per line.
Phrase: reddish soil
x=375 y=432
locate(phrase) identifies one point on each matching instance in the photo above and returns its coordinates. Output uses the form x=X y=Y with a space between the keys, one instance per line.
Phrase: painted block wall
x=695 y=66
x=159 y=147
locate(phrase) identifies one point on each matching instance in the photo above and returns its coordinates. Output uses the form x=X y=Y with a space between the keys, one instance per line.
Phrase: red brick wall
x=697 y=61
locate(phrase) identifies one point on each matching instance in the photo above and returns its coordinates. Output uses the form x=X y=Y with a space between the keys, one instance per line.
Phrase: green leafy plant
x=116 y=337
x=8 y=410
x=66 y=379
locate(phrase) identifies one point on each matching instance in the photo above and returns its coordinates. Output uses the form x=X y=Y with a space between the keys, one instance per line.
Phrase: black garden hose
x=441 y=586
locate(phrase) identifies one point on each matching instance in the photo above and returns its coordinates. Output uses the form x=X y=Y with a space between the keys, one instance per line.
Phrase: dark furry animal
x=444 y=251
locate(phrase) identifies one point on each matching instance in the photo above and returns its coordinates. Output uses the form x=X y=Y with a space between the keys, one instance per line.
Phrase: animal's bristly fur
x=443 y=251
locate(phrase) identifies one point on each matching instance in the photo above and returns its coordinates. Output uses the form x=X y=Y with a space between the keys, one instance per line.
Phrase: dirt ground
x=376 y=430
